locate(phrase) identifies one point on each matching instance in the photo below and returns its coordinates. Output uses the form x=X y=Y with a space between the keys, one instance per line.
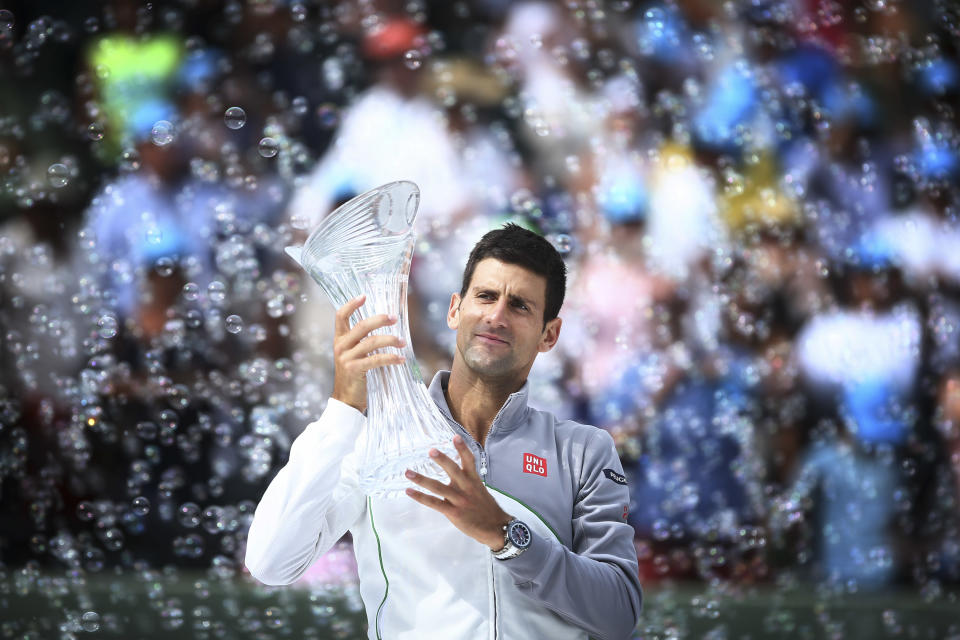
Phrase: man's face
x=499 y=321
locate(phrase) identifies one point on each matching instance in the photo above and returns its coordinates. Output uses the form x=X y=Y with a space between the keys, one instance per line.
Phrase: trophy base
x=387 y=479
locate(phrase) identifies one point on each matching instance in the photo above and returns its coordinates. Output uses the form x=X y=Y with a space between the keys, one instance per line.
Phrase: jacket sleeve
x=596 y=585
x=311 y=502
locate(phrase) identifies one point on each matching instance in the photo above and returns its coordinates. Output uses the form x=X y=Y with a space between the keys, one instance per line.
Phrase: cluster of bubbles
x=160 y=353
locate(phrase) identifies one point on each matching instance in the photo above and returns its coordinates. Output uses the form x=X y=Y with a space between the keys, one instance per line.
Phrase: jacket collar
x=510 y=416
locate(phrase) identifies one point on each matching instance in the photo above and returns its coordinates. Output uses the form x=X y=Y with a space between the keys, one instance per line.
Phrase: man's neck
x=474 y=402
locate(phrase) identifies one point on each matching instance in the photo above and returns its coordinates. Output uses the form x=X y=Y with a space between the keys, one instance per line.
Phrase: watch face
x=519 y=535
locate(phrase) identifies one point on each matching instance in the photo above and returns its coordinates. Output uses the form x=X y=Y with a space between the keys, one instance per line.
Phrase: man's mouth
x=492 y=339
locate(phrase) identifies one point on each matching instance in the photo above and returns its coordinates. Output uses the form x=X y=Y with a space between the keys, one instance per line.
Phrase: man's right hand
x=352 y=349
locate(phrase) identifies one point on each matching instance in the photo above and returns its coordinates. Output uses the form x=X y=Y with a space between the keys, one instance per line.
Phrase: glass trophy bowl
x=365 y=247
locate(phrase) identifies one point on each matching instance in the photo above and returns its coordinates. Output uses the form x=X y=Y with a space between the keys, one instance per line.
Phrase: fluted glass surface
x=365 y=247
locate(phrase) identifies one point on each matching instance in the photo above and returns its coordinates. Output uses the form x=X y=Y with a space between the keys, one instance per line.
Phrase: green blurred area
x=200 y=606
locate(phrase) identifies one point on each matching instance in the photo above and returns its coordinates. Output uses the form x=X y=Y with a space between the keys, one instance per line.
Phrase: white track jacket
x=420 y=577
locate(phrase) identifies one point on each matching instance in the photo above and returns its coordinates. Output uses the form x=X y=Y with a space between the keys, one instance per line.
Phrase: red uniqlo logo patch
x=534 y=464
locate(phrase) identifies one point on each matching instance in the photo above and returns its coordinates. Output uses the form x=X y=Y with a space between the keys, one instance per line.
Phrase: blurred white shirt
x=848 y=347
x=385 y=137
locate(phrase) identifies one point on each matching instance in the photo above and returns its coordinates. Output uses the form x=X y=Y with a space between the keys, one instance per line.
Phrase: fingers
x=352 y=343
x=341 y=324
x=367 y=325
x=354 y=352
x=362 y=330
x=351 y=375
x=430 y=484
x=380 y=360
x=363 y=327
x=460 y=474
x=372 y=343
x=437 y=504
x=456 y=474
x=467 y=461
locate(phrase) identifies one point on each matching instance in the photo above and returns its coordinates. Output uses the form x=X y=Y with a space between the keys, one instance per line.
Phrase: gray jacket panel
x=570 y=475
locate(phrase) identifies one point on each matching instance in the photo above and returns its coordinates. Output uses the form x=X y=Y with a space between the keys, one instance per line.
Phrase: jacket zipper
x=483 y=477
x=493 y=579
x=483 y=455
x=483 y=452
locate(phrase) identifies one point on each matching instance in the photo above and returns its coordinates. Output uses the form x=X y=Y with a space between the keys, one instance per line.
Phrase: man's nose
x=497 y=312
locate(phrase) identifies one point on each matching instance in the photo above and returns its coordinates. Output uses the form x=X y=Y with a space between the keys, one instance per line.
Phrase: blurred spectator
x=683 y=222
x=853 y=490
x=539 y=47
x=390 y=132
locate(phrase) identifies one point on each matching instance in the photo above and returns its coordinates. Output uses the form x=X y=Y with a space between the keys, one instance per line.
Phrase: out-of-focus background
x=757 y=201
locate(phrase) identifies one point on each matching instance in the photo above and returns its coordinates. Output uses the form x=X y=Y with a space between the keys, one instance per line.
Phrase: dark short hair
x=518 y=246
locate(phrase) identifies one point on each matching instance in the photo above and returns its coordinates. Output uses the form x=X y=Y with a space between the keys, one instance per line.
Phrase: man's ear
x=453 y=313
x=550 y=335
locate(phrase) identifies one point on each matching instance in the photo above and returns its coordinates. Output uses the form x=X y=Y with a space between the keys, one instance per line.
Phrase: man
x=528 y=540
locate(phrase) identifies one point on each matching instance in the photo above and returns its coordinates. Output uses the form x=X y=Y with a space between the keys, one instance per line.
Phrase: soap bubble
x=255 y=372
x=141 y=506
x=162 y=133
x=413 y=59
x=108 y=326
x=113 y=539
x=213 y=520
x=191 y=291
x=194 y=318
x=217 y=291
x=235 y=117
x=275 y=306
x=164 y=266
x=562 y=242
x=93 y=560
x=58 y=175
x=90 y=621
x=171 y=615
x=86 y=511
x=300 y=105
x=147 y=430
x=130 y=160
x=188 y=515
x=268 y=147
x=233 y=324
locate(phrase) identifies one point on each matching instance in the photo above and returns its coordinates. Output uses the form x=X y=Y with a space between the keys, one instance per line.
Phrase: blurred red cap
x=391 y=40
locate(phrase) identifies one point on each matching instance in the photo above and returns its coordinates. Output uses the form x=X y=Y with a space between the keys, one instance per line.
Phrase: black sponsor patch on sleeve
x=619 y=478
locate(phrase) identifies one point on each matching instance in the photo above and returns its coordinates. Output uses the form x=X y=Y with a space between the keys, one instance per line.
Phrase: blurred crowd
x=756 y=199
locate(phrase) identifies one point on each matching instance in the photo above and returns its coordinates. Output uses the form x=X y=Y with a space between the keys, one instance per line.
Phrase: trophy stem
x=366 y=246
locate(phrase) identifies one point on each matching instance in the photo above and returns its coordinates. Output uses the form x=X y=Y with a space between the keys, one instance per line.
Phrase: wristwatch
x=516 y=539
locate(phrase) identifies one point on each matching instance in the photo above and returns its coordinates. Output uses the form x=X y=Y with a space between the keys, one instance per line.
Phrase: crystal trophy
x=365 y=247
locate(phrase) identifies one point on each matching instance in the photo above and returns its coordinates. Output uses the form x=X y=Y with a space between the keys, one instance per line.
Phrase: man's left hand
x=465 y=501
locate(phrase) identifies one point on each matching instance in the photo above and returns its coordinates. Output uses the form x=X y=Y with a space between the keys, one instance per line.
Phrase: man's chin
x=488 y=367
